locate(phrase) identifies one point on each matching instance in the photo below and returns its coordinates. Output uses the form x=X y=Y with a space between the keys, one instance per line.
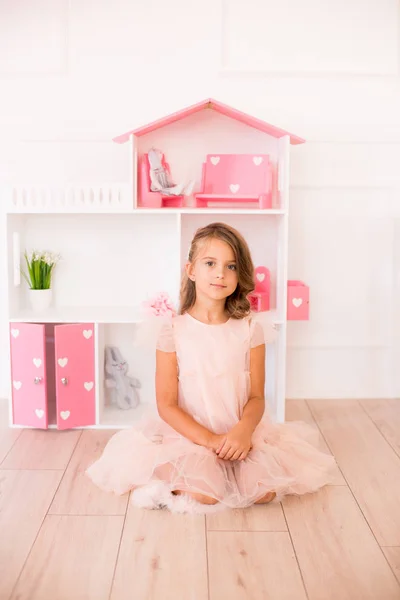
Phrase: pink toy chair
x=259 y=298
x=298 y=301
x=150 y=199
x=234 y=178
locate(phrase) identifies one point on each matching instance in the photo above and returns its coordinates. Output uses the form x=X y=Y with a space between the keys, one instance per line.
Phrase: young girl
x=212 y=442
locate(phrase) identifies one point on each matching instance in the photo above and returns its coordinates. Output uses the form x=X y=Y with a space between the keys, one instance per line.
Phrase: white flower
x=50 y=258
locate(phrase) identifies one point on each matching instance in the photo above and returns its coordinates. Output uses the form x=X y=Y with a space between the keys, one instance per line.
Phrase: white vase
x=40 y=299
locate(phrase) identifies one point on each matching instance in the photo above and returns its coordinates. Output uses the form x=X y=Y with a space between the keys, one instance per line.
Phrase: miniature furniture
x=298 y=301
x=154 y=199
x=232 y=178
x=259 y=298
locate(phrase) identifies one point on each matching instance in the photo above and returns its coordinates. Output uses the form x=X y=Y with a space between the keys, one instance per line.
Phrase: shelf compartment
x=261 y=235
x=140 y=365
x=105 y=262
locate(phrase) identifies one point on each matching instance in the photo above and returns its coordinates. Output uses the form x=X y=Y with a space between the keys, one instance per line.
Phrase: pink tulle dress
x=214 y=386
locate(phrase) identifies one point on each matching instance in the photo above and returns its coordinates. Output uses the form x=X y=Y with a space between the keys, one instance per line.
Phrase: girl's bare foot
x=266 y=499
x=198 y=497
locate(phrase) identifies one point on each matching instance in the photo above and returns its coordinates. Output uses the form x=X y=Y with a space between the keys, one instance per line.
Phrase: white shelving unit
x=117 y=255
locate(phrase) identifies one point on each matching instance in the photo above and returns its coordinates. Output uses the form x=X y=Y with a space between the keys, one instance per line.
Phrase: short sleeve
x=261 y=333
x=165 y=340
x=256 y=334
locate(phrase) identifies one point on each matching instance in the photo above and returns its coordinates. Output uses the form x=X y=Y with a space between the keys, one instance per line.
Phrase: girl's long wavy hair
x=237 y=305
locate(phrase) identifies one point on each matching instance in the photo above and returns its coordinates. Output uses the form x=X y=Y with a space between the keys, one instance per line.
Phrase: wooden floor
x=62 y=539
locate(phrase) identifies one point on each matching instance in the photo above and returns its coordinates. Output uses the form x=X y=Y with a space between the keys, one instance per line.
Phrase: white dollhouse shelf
x=117 y=253
x=105 y=314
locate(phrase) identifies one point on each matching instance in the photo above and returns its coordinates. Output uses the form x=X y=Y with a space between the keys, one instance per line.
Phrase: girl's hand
x=216 y=441
x=237 y=443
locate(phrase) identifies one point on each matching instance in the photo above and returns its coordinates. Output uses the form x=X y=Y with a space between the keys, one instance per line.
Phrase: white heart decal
x=17 y=384
x=234 y=187
x=39 y=413
x=37 y=362
x=62 y=361
x=15 y=333
x=64 y=414
x=260 y=276
x=88 y=385
x=297 y=302
x=214 y=160
x=87 y=333
x=257 y=160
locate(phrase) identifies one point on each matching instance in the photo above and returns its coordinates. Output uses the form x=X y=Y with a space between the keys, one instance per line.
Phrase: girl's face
x=214 y=270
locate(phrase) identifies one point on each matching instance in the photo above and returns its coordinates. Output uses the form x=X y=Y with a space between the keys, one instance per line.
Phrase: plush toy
x=160 y=179
x=123 y=389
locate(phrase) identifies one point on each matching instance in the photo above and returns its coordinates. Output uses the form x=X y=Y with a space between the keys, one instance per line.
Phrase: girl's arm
x=254 y=409
x=238 y=441
x=167 y=404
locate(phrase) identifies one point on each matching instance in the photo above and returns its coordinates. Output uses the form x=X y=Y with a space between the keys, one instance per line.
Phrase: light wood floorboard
x=25 y=497
x=386 y=416
x=162 y=556
x=337 y=552
x=73 y=557
x=368 y=463
x=77 y=495
x=37 y=449
x=254 y=565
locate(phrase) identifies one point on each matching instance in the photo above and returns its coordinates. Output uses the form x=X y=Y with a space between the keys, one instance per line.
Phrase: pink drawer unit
x=53 y=375
x=298 y=301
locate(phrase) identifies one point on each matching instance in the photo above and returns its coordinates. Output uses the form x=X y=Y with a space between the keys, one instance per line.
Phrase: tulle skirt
x=285 y=459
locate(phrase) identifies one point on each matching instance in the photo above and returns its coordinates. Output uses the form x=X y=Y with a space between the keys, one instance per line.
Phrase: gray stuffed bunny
x=123 y=389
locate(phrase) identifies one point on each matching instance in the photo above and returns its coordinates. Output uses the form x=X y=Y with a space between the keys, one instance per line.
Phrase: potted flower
x=40 y=266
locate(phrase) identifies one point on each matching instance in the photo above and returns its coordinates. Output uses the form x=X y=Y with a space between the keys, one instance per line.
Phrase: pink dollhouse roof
x=219 y=107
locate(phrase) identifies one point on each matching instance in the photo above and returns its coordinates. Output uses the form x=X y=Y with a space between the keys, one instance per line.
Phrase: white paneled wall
x=311 y=37
x=84 y=72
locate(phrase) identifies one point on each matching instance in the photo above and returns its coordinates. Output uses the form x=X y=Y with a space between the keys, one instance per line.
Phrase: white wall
x=74 y=73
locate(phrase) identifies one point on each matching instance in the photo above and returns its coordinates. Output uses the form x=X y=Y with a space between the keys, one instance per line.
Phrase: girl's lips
x=218 y=285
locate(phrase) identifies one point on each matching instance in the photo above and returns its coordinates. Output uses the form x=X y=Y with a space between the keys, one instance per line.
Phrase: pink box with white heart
x=260 y=297
x=298 y=301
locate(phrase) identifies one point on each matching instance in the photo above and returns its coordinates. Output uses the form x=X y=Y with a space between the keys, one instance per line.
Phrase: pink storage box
x=259 y=298
x=298 y=301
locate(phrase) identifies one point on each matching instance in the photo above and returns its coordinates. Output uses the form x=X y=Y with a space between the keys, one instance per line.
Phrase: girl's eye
x=209 y=263
x=232 y=267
